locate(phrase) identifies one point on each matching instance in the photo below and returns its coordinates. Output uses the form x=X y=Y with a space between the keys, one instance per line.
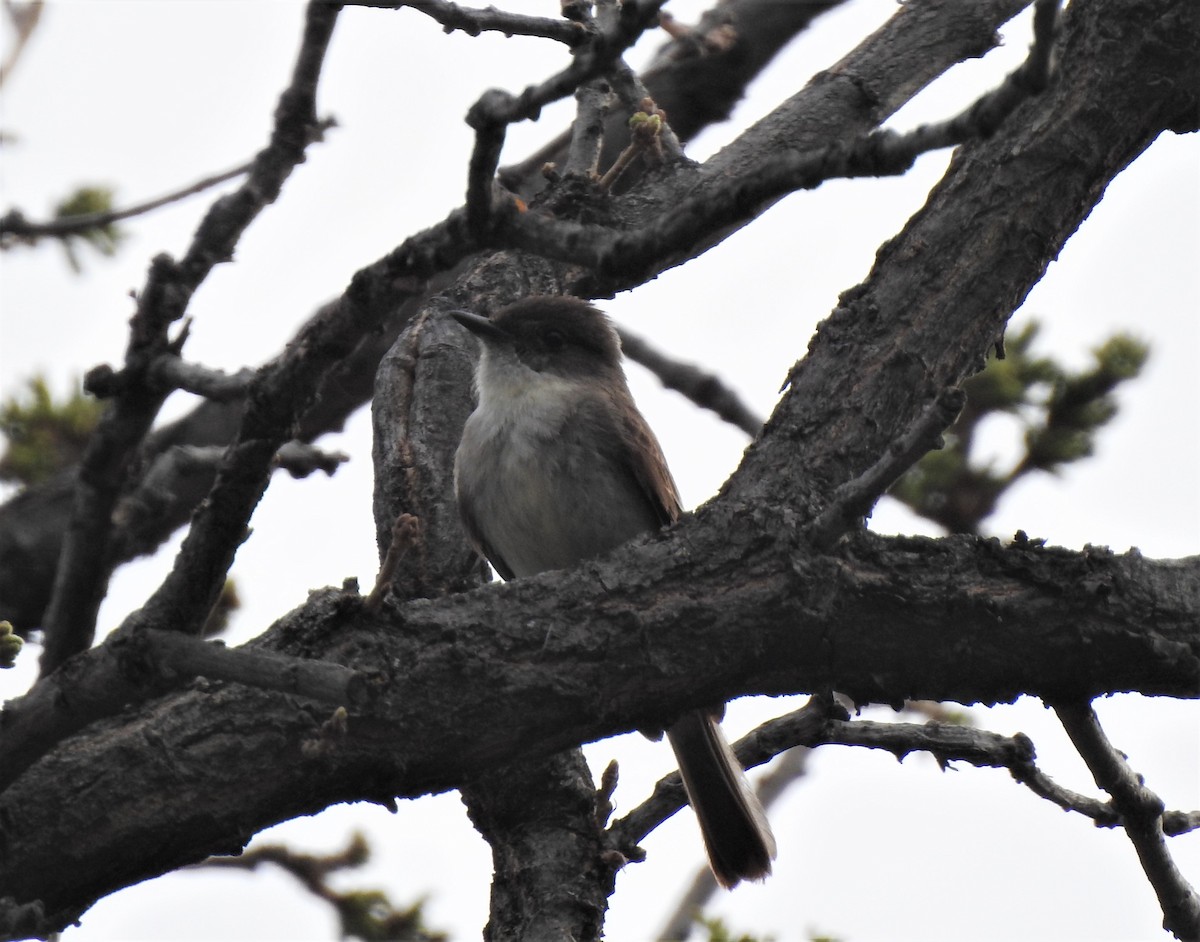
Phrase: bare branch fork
x=383 y=286
x=85 y=563
x=334 y=625
x=496 y=109
x=820 y=723
x=281 y=394
x=631 y=256
x=1141 y=814
x=138 y=667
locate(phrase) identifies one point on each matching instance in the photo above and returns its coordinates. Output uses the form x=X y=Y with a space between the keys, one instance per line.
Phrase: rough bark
x=33 y=523
x=458 y=694
x=732 y=601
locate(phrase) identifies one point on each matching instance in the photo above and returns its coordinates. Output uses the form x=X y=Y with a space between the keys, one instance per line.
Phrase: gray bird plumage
x=556 y=465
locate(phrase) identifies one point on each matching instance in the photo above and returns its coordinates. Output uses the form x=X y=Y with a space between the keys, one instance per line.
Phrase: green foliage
x=44 y=436
x=10 y=644
x=1062 y=412
x=368 y=915
x=719 y=932
x=364 y=914
x=1081 y=404
x=105 y=238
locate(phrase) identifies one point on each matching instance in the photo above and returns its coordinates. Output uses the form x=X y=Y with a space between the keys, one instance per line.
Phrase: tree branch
x=704 y=389
x=815 y=725
x=471 y=21
x=1141 y=814
x=1063 y=625
x=854 y=499
x=496 y=109
x=696 y=78
x=145 y=665
x=15 y=226
x=32 y=524
x=684 y=230
x=85 y=563
x=1046 y=622
x=176 y=373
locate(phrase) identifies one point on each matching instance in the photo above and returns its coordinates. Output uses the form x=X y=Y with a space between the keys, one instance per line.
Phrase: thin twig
x=801 y=727
x=594 y=59
x=85 y=563
x=300 y=459
x=363 y=914
x=633 y=93
x=648 y=130
x=592 y=101
x=485 y=158
x=15 y=225
x=496 y=109
x=309 y=869
x=855 y=498
x=24 y=18
x=882 y=152
x=823 y=723
x=217 y=385
x=131 y=667
x=472 y=21
x=628 y=84
x=704 y=389
x=1141 y=813
x=180 y=467
x=406 y=533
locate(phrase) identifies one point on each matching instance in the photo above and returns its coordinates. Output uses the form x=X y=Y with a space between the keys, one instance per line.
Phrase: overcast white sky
x=148 y=97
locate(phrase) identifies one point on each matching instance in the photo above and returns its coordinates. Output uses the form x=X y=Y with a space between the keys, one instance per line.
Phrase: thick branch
x=32 y=525
x=458 y=696
x=683 y=230
x=1027 y=620
x=928 y=311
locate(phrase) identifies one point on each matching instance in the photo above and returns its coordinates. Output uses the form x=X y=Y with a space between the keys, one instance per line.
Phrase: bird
x=557 y=465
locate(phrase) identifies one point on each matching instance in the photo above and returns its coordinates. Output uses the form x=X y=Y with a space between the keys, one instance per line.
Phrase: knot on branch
x=493 y=108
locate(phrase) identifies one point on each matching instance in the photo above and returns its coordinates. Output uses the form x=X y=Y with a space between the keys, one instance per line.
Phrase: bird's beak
x=480 y=326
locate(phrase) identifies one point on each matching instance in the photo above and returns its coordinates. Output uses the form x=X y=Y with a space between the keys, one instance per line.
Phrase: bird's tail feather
x=733 y=823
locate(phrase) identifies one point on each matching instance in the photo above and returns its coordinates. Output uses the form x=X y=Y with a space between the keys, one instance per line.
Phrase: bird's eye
x=554 y=340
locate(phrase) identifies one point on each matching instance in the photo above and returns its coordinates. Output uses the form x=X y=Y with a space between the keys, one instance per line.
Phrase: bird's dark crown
x=557 y=327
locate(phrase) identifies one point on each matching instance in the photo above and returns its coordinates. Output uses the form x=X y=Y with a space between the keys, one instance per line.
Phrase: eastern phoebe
x=557 y=465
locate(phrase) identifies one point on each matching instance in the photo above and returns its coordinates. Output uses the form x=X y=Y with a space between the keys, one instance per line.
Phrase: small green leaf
x=44 y=436
x=10 y=644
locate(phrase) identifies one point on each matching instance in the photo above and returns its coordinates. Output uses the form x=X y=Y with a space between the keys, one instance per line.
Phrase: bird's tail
x=733 y=823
